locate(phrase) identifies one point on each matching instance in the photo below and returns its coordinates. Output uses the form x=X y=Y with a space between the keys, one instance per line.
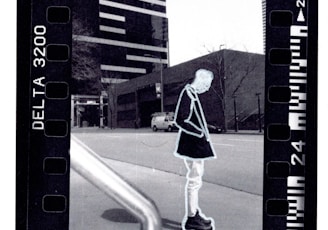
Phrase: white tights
x=194 y=183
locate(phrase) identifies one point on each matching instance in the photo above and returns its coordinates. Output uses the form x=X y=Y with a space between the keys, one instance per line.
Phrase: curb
x=246 y=132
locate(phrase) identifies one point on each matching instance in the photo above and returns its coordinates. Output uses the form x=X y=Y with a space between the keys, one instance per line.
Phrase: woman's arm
x=183 y=114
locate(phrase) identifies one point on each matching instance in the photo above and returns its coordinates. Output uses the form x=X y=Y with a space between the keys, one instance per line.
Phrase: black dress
x=193 y=139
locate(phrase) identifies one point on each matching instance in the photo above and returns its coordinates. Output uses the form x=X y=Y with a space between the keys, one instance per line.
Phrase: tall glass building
x=129 y=37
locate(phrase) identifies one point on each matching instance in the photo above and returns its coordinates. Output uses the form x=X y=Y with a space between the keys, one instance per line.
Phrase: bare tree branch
x=250 y=67
x=226 y=70
x=85 y=61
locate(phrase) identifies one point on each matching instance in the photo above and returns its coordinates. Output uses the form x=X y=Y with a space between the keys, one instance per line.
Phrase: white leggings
x=194 y=183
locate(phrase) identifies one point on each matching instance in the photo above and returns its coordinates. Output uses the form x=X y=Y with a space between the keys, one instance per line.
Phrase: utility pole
x=259 y=111
x=161 y=77
x=101 y=111
x=235 y=113
x=162 y=88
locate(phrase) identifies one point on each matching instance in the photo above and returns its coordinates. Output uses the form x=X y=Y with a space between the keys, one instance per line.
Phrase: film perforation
x=58 y=14
x=281 y=18
x=277 y=207
x=55 y=165
x=278 y=169
x=57 y=90
x=280 y=56
x=54 y=203
x=278 y=132
x=279 y=94
x=58 y=52
x=56 y=128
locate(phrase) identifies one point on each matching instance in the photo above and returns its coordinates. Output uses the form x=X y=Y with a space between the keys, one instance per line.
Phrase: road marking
x=116 y=136
x=154 y=146
x=245 y=140
x=223 y=144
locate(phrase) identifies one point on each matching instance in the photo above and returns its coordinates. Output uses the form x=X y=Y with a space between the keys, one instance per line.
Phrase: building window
x=126 y=99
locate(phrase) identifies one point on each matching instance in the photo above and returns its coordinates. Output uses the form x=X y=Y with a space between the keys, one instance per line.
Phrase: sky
x=197 y=27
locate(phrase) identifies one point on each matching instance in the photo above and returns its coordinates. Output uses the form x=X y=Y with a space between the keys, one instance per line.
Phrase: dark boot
x=205 y=221
x=197 y=222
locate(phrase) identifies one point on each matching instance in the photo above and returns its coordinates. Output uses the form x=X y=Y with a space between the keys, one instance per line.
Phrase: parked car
x=163 y=121
x=214 y=128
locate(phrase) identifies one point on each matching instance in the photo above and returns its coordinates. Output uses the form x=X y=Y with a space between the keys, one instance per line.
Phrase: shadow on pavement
x=123 y=216
x=119 y=215
x=170 y=224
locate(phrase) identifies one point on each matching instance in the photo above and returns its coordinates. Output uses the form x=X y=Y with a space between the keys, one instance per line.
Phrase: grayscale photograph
x=167 y=114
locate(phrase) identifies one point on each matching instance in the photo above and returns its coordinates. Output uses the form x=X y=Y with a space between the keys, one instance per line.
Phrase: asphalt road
x=239 y=163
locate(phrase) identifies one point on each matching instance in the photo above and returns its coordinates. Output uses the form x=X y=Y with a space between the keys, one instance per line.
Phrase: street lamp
x=259 y=111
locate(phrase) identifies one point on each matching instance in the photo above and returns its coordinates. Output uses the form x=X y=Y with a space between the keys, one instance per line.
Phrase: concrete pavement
x=91 y=209
x=239 y=163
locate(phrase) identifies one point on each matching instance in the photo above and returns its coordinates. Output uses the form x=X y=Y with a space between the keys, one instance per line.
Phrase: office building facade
x=130 y=37
x=114 y=41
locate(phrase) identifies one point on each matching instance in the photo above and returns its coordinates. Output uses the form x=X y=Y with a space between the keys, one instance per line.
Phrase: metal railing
x=90 y=166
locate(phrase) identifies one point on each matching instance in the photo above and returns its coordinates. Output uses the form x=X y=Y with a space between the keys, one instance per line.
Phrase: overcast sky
x=196 y=26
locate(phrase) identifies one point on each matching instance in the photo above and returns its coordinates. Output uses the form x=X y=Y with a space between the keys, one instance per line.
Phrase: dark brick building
x=236 y=95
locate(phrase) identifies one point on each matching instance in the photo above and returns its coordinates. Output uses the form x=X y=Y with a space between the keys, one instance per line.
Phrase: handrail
x=90 y=166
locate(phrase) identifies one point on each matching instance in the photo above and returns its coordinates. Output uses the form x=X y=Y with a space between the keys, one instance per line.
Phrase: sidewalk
x=91 y=209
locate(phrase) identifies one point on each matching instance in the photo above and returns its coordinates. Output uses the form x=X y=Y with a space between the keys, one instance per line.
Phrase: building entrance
x=89 y=111
x=146 y=109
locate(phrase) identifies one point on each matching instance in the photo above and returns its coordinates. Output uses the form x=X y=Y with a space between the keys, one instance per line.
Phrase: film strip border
x=43 y=138
x=43 y=120
x=290 y=136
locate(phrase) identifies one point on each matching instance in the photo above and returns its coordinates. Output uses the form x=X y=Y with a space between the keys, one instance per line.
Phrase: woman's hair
x=203 y=73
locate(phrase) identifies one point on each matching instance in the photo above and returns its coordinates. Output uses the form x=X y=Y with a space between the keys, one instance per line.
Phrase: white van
x=163 y=121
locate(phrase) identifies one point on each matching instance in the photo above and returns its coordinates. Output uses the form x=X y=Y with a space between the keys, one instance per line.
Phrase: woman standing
x=194 y=146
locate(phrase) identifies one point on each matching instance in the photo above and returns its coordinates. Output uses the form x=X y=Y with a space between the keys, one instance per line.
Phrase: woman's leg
x=194 y=182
